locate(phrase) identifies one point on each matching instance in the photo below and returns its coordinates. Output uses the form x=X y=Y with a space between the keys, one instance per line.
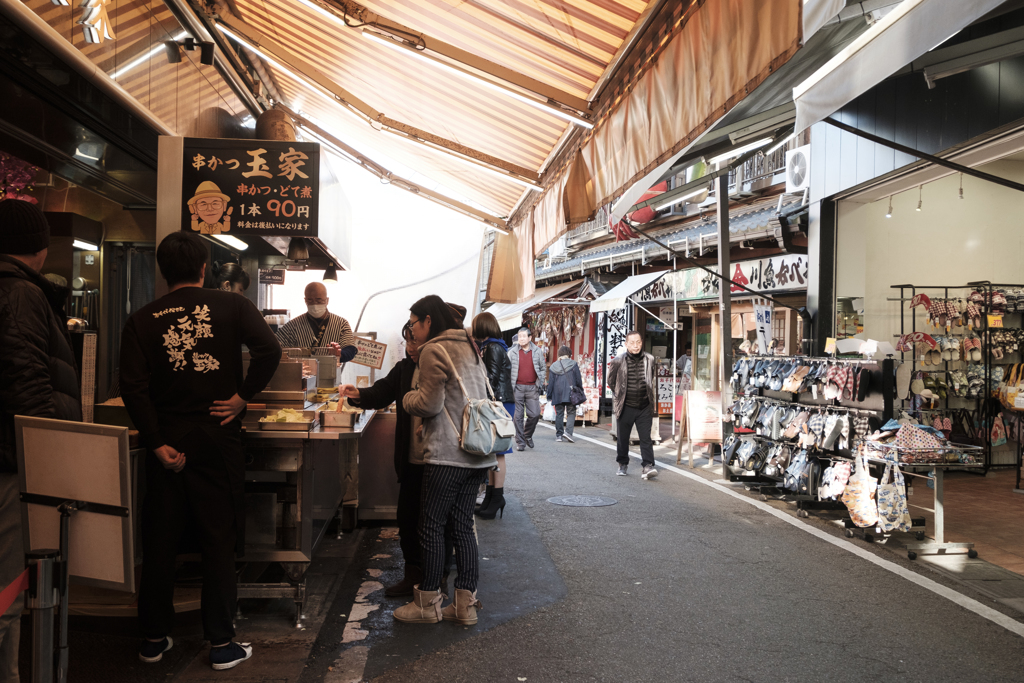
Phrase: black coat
x=38 y=373
x=383 y=393
x=499 y=371
x=563 y=375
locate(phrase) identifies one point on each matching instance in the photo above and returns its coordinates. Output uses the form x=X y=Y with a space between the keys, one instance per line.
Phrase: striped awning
x=566 y=45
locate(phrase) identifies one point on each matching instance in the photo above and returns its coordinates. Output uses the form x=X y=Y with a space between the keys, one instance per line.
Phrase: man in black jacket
x=182 y=383
x=38 y=377
x=631 y=379
x=408 y=457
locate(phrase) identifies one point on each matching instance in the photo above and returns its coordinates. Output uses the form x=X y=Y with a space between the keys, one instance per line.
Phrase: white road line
x=971 y=604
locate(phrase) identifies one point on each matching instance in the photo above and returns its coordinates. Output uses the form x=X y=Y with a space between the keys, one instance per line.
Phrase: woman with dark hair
x=230 y=277
x=494 y=350
x=450 y=373
x=408 y=457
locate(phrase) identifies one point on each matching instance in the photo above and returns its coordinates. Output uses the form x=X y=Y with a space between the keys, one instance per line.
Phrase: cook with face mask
x=318 y=328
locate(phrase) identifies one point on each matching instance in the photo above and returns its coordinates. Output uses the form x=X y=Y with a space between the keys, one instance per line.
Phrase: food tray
x=330 y=418
x=303 y=426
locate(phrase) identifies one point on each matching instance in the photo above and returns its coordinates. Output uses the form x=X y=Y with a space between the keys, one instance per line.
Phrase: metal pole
x=724 y=305
x=66 y=510
x=41 y=601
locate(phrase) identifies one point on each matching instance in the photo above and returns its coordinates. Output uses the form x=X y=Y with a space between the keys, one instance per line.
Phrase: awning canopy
x=616 y=296
x=510 y=316
x=903 y=35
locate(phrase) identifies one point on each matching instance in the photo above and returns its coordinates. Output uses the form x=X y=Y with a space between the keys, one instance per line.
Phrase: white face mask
x=316 y=310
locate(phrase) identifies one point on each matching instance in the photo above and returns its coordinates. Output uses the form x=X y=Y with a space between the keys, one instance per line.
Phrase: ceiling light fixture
x=740 y=150
x=84 y=246
x=919 y=188
x=331 y=274
x=143 y=58
x=676 y=200
x=232 y=241
x=297 y=250
x=888 y=214
x=778 y=145
x=523 y=95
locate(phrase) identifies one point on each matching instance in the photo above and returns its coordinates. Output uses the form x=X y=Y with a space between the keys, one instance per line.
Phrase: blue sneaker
x=152 y=652
x=230 y=655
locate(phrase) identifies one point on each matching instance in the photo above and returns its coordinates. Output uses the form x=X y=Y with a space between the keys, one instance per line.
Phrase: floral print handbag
x=893 y=513
x=859 y=495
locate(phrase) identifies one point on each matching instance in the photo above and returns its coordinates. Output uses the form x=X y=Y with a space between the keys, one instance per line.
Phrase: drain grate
x=582 y=501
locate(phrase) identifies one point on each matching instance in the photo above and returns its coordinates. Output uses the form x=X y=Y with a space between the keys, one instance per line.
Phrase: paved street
x=683 y=579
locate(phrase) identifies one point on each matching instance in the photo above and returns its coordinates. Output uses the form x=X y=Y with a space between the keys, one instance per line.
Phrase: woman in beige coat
x=451 y=476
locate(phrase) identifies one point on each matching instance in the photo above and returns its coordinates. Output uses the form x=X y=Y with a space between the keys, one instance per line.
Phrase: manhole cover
x=582 y=501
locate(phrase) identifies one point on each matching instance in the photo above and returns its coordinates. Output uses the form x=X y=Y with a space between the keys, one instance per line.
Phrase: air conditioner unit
x=798 y=169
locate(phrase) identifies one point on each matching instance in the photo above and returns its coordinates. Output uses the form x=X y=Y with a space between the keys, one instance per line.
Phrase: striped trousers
x=449 y=496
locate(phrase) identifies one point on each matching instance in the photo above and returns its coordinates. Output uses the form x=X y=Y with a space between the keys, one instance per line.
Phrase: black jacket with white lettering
x=183 y=351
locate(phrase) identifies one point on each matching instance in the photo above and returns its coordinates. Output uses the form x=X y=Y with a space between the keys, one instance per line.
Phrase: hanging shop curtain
x=512 y=276
x=903 y=35
x=549 y=218
x=725 y=49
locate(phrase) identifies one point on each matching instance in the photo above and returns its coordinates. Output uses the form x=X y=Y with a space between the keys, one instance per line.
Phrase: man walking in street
x=38 y=378
x=631 y=379
x=529 y=374
x=183 y=386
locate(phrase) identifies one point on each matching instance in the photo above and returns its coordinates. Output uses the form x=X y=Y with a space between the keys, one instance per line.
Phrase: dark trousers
x=642 y=418
x=410 y=491
x=565 y=412
x=204 y=496
x=449 y=496
x=527 y=413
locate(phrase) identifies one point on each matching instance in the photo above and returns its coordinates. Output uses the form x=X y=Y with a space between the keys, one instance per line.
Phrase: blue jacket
x=565 y=374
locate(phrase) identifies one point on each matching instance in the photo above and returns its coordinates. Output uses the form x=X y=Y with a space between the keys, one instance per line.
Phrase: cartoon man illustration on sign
x=208 y=210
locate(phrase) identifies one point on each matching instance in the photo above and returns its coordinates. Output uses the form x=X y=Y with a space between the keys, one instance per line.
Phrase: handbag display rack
x=783 y=421
x=933 y=460
x=972 y=418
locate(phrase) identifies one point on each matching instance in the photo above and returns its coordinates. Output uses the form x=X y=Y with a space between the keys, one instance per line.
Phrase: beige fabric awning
x=617 y=296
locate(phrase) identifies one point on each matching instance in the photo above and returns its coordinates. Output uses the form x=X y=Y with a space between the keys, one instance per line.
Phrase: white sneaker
x=566 y=437
x=649 y=472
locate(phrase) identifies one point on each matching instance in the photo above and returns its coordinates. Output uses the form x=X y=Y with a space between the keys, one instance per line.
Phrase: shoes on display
x=230 y=655
x=622 y=470
x=648 y=472
x=566 y=437
x=151 y=652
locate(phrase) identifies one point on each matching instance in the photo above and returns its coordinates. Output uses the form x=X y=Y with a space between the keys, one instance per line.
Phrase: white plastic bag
x=549 y=413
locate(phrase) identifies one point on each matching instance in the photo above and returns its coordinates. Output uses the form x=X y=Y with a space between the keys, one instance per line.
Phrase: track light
x=331 y=274
x=85 y=246
x=297 y=250
x=232 y=241
x=740 y=150
x=781 y=143
x=672 y=201
x=206 y=54
x=919 y=197
x=888 y=214
x=145 y=57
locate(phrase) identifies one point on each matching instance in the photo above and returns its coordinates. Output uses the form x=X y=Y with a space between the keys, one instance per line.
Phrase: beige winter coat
x=438 y=390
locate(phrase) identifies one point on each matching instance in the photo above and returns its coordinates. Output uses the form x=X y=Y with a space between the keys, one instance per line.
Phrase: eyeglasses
x=208 y=205
x=408 y=325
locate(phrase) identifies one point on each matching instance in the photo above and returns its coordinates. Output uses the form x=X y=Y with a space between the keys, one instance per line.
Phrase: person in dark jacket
x=563 y=375
x=183 y=385
x=38 y=378
x=408 y=459
x=487 y=334
x=631 y=379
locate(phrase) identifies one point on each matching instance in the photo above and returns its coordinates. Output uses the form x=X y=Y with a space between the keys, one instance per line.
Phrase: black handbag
x=577 y=396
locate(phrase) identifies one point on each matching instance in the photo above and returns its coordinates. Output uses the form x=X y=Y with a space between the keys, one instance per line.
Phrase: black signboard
x=272 y=276
x=250 y=187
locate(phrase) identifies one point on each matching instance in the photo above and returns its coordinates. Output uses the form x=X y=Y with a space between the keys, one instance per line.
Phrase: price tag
x=830 y=345
x=1018 y=401
x=995 y=321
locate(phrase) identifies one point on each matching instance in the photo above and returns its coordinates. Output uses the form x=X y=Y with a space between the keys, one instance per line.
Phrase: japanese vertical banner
x=250 y=187
x=763 y=317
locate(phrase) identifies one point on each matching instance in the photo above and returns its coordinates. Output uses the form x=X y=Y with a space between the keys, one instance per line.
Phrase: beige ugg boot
x=425 y=607
x=463 y=608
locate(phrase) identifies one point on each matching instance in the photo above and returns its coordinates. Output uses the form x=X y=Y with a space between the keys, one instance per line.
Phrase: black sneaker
x=622 y=470
x=230 y=655
x=151 y=652
x=529 y=442
x=566 y=437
